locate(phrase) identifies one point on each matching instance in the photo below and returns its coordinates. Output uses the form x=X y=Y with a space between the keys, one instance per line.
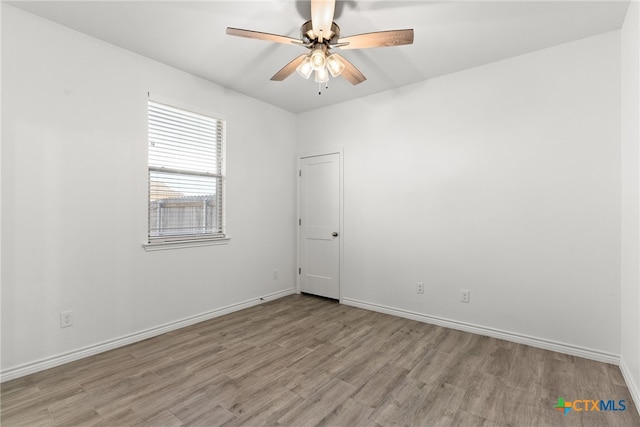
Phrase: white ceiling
x=449 y=36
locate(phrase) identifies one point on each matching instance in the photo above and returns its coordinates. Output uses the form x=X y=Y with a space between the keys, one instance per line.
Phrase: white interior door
x=319 y=223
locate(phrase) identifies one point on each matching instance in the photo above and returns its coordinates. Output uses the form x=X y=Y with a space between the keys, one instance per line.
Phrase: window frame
x=198 y=239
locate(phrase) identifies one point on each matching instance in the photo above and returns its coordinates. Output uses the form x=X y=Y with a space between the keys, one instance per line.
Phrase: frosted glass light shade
x=318 y=58
x=335 y=66
x=305 y=68
x=322 y=76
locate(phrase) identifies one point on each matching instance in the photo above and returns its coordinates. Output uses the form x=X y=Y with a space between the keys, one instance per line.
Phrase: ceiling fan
x=320 y=35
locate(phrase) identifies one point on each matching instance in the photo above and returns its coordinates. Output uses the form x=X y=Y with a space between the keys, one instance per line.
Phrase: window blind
x=186 y=174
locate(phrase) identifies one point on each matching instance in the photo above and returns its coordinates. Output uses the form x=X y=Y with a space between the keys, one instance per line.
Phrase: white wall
x=630 y=278
x=502 y=179
x=74 y=187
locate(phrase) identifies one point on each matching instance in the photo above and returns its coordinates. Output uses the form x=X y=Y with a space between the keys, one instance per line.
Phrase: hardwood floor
x=306 y=361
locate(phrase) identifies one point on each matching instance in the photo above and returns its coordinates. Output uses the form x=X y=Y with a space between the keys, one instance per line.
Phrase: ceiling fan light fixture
x=335 y=65
x=322 y=76
x=305 y=68
x=318 y=58
x=320 y=34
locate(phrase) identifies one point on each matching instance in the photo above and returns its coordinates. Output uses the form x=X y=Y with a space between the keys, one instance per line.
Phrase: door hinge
x=300 y=173
x=299 y=221
x=299 y=270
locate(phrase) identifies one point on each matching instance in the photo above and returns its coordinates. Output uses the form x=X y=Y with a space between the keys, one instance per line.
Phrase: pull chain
x=326 y=86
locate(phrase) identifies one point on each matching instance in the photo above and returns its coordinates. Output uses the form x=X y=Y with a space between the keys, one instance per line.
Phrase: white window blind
x=186 y=175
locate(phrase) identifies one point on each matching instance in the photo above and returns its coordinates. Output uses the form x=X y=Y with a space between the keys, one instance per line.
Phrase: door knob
x=334 y=234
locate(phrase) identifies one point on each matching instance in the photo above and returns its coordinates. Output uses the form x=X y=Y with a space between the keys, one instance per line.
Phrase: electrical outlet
x=420 y=288
x=275 y=274
x=66 y=319
x=465 y=295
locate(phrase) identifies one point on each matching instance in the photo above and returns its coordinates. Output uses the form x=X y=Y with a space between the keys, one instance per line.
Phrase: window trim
x=178 y=242
x=191 y=243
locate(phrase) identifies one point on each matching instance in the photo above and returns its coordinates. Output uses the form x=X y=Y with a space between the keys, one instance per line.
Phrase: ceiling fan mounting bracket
x=309 y=38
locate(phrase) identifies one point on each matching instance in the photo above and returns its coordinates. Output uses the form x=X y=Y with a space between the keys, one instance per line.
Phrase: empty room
x=301 y=213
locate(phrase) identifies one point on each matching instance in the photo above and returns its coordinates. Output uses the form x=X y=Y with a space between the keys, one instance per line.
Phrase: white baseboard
x=632 y=385
x=50 y=362
x=587 y=353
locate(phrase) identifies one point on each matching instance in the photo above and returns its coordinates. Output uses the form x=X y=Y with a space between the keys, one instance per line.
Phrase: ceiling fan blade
x=378 y=39
x=322 y=17
x=288 y=69
x=351 y=73
x=250 y=34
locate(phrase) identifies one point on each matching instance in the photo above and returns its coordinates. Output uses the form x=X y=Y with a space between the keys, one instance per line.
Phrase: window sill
x=163 y=246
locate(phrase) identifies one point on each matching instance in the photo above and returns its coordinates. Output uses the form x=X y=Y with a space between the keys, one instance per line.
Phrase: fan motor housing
x=307 y=36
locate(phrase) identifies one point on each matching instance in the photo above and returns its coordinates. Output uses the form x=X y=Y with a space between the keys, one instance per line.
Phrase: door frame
x=340 y=152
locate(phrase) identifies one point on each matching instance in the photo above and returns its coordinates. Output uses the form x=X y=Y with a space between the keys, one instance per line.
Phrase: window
x=186 y=175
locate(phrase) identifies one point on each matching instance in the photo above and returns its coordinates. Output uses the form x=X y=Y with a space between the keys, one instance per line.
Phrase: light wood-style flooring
x=307 y=361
